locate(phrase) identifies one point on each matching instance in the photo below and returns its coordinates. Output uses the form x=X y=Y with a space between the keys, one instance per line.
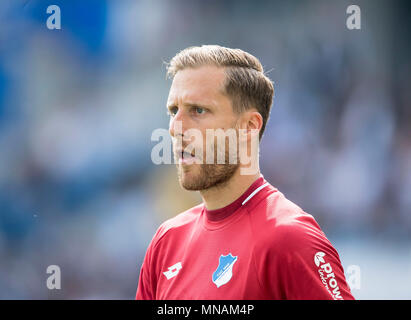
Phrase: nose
x=176 y=124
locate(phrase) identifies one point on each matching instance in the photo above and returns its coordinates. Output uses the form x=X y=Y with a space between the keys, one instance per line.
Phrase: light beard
x=198 y=177
x=205 y=176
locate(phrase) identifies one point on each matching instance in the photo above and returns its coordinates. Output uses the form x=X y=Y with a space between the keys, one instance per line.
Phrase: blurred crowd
x=78 y=106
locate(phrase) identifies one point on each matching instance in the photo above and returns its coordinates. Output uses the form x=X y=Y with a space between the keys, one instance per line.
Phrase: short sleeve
x=147 y=282
x=303 y=265
x=146 y=288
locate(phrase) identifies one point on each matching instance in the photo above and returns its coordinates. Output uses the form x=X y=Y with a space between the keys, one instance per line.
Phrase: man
x=246 y=240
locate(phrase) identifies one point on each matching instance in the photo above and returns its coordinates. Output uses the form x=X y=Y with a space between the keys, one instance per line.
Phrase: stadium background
x=78 y=106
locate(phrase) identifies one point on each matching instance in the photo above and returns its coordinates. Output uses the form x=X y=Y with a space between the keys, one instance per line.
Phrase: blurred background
x=78 y=105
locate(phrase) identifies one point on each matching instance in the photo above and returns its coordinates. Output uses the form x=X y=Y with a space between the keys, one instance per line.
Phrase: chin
x=197 y=178
x=189 y=177
x=189 y=186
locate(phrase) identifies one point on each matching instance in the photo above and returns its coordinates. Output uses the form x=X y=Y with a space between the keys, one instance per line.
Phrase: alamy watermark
x=353 y=275
x=230 y=146
x=54 y=280
x=54 y=20
x=354 y=19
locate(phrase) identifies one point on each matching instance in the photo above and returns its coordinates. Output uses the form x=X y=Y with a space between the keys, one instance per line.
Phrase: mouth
x=185 y=157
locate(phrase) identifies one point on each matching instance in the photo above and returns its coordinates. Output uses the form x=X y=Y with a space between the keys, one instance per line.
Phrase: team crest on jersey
x=224 y=270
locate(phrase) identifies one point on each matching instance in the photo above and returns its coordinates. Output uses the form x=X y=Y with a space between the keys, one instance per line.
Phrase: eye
x=199 y=110
x=172 y=111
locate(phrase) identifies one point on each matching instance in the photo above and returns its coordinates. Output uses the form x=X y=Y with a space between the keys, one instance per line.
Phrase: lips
x=185 y=157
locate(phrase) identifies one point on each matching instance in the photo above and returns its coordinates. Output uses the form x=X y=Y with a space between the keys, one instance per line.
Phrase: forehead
x=197 y=84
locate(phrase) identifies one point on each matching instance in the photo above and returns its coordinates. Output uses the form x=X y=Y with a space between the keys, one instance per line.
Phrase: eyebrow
x=191 y=104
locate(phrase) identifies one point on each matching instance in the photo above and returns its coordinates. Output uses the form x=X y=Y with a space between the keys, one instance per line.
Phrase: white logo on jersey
x=173 y=270
x=318 y=257
x=327 y=276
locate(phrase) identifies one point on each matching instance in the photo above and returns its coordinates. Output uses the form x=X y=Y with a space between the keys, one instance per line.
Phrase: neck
x=220 y=196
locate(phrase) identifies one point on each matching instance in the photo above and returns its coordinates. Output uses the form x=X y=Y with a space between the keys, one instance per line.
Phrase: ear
x=255 y=120
x=251 y=121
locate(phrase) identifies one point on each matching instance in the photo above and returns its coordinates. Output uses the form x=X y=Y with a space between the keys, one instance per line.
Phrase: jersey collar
x=222 y=213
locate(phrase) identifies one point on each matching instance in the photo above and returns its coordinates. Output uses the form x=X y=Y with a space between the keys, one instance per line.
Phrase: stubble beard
x=206 y=176
x=198 y=177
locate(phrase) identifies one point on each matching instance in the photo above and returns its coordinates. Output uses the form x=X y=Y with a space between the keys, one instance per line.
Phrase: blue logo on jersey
x=224 y=270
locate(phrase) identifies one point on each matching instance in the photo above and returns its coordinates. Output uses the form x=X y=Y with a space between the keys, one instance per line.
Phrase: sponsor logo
x=224 y=271
x=327 y=275
x=173 y=270
x=318 y=258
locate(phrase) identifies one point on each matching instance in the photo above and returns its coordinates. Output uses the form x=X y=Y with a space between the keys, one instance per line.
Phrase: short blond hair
x=246 y=84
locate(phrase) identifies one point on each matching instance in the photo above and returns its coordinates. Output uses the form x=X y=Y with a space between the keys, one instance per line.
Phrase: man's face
x=196 y=101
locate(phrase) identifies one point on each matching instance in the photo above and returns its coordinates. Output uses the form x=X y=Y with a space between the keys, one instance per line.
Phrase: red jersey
x=261 y=246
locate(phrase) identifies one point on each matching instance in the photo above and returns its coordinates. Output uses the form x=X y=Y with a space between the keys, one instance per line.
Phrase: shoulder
x=286 y=226
x=177 y=223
